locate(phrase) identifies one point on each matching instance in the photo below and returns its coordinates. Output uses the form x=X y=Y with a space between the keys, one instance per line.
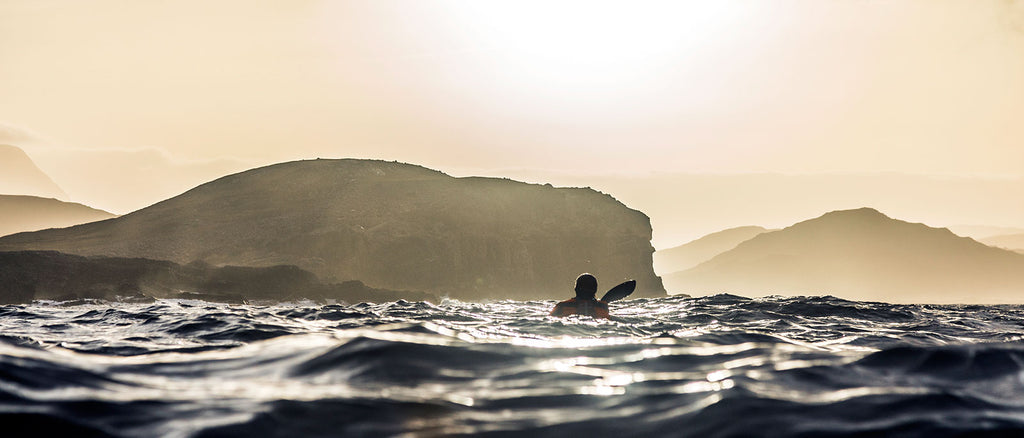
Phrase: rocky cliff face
x=390 y=225
x=50 y=275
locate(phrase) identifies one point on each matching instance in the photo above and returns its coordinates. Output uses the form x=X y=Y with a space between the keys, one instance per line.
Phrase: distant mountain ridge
x=31 y=213
x=391 y=225
x=982 y=232
x=861 y=254
x=19 y=175
x=1014 y=242
x=703 y=249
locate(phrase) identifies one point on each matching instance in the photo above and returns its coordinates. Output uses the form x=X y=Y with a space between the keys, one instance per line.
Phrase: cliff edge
x=390 y=225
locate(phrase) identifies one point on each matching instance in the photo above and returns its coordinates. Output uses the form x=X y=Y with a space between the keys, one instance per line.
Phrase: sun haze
x=196 y=89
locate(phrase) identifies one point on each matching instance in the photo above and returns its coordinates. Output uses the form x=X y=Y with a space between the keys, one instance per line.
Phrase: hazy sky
x=123 y=101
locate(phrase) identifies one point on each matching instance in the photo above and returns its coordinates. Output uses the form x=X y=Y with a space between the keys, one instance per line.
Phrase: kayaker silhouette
x=585 y=303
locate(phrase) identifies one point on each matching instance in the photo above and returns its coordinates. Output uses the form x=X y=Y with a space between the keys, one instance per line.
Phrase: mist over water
x=712 y=366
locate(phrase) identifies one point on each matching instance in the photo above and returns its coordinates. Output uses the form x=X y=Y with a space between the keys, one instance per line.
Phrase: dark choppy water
x=706 y=367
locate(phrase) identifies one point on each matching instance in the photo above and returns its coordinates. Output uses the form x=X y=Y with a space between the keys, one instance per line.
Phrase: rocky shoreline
x=50 y=275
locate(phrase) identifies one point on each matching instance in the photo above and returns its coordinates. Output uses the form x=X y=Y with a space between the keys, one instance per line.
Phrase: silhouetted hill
x=40 y=275
x=864 y=255
x=1014 y=242
x=391 y=225
x=19 y=175
x=31 y=213
x=701 y=250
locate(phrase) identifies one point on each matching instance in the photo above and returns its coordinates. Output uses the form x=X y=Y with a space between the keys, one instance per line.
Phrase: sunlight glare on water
x=678 y=366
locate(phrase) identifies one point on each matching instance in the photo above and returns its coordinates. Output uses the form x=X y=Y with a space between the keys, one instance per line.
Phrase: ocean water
x=719 y=366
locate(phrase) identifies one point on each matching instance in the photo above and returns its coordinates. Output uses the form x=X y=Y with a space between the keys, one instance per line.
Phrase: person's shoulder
x=564 y=308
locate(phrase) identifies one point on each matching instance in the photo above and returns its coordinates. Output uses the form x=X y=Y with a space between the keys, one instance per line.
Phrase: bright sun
x=589 y=43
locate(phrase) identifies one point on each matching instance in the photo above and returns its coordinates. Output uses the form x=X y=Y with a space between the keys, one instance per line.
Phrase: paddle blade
x=619 y=292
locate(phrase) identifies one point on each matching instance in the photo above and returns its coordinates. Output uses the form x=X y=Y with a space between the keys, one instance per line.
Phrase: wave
x=721 y=366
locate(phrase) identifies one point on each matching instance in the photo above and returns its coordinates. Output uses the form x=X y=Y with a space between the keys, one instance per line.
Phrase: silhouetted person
x=585 y=303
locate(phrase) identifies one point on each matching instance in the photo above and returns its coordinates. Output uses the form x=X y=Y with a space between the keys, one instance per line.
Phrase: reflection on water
x=714 y=366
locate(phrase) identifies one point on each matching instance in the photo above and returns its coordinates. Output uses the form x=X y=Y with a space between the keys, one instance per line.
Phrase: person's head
x=586 y=286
